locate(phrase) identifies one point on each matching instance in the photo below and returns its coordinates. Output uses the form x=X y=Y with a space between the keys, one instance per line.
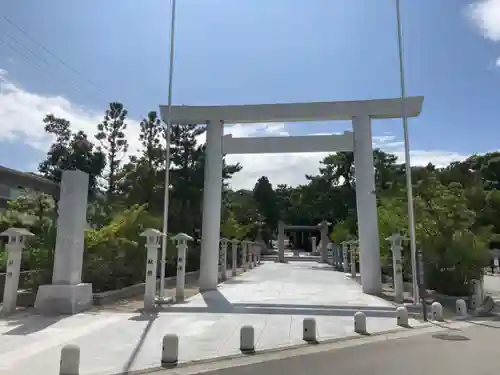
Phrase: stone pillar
x=281 y=242
x=396 y=248
x=181 y=239
x=212 y=196
x=344 y=257
x=234 y=257
x=67 y=294
x=223 y=258
x=313 y=245
x=17 y=241
x=352 y=248
x=324 y=240
x=244 y=247
x=153 y=241
x=250 y=254
x=366 y=204
x=258 y=249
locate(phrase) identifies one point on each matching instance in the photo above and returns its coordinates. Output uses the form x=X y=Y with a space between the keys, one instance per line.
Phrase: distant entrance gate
x=321 y=227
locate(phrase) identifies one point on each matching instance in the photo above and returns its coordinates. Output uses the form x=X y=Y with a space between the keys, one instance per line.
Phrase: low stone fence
x=137 y=289
x=24 y=278
x=26 y=298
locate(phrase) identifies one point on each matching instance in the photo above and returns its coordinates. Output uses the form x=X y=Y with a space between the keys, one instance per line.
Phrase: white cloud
x=486 y=16
x=21 y=115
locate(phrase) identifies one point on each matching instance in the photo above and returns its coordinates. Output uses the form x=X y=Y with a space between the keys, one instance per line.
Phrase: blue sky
x=253 y=51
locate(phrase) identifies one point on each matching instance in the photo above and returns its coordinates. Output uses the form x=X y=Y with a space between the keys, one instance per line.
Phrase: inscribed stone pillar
x=67 y=294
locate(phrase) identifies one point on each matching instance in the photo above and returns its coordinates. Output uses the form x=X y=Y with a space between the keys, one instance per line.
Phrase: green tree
x=111 y=134
x=71 y=151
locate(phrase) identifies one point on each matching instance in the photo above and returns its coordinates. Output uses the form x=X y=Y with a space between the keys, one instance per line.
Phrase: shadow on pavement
x=150 y=318
x=218 y=304
x=450 y=337
x=26 y=325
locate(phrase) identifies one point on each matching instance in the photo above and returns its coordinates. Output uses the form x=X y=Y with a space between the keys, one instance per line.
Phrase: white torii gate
x=360 y=141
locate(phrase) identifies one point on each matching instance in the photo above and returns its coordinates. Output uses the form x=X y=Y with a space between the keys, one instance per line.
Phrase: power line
x=36 y=64
x=47 y=50
x=24 y=56
x=25 y=47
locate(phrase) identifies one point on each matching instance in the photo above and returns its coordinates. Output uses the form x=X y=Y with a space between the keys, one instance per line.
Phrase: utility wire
x=44 y=68
x=47 y=50
x=25 y=47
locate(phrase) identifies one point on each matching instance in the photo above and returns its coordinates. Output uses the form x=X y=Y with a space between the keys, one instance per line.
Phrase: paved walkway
x=274 y=298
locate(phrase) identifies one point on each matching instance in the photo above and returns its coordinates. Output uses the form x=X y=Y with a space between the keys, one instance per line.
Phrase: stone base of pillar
x=63 y=299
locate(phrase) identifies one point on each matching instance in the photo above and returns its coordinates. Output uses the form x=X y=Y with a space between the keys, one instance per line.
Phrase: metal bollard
x=70 y=360
x=309 y=330
x=170 y=350
x=360 y=323
x=461 y=308
x=247 y=340
x=437 y=311
x=402 y=316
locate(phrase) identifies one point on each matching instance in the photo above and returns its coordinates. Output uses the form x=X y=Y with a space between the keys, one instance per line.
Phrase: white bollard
x=70 y=360
x=437 y=311
x=360 y=323
x=247 y=340
x=309 y=330
x=170 y=350
x=402 y=316
x=461 y=308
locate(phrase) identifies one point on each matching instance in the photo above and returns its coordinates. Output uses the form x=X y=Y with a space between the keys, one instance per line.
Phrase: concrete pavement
x=274 y=298
x=462 y=350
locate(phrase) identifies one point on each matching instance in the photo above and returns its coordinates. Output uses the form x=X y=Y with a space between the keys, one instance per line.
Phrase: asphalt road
x=472 y=350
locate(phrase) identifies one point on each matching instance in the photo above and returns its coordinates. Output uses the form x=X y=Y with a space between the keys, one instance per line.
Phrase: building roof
x=16 y=179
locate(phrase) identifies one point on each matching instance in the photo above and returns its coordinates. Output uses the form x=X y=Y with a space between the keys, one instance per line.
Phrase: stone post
x=223 y=258
x=181 y=240
x=258 y=248
x=352 y=247
x=250 y=250
x=153 y=241
x=17 y=241
x=244 y=247
x=324 y=240
x=254 y=253
x=396 y=247
x=281 y=242
x=67 y=294
x=234 y=257
x=313 y=245
x=344 y=257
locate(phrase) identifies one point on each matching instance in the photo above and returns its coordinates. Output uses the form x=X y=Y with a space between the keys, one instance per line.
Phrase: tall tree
x=139 y=178
x=266 y=199
x=111 y=134
x=71 y=151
